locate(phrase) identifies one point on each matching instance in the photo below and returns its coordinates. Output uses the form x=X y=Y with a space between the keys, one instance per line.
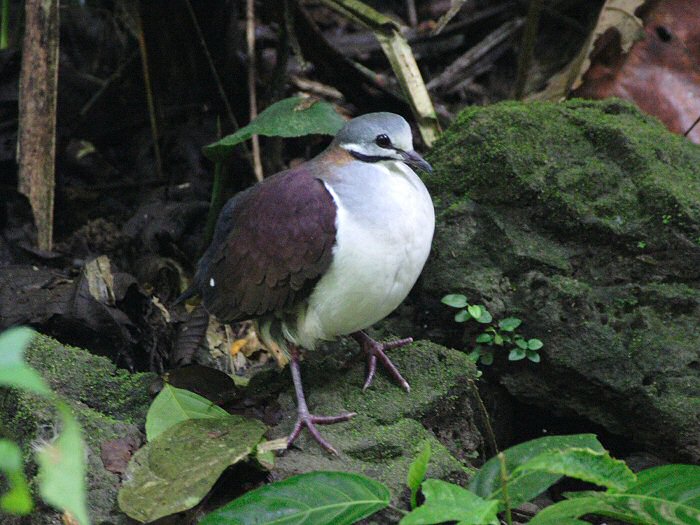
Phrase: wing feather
x=272 y=244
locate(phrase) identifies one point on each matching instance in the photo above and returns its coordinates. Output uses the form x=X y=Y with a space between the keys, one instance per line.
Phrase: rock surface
x=110 y=404
x=391 y=425
x=582 y=219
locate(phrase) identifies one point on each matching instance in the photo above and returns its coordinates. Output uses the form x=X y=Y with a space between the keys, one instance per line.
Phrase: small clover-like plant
x=502 y=334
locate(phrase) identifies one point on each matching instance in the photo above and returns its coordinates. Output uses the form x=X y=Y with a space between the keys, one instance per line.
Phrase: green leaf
x=509 y=324
x=62 y=468
x=455 y=300
x=14 y=372
x=475 y=354
x=416 y=472
x=291 y=117
x=487 y=357
x=498 y=339
x=484 y=338
x=533 y=356
x=534 y=344
x=516 y=354
x=584 y=464
x=175 y=471
x=449 y=502
x=18 y=499
x=474 y=310
x=462 y=316
x=173 y=405
x=485 y=317
x=316 y=498
x=527 y=484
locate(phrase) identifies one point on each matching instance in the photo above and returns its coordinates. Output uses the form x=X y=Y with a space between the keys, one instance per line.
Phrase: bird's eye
x=383 y=141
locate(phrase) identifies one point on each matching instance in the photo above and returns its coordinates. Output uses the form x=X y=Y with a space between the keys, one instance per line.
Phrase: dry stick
x=454 y=73
x=485 y=416
x=411 y=12
x=36 y=144
x=527 y=46
x=250 y=39
x=5 y=24
x=149 y=95
x=697 y=120
x=214 y=72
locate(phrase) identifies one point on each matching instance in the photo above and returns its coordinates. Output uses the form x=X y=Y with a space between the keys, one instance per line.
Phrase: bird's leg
x=306 y=419
x=374 y=350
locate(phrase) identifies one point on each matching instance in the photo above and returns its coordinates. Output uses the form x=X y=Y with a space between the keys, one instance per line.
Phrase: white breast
x=385 y=223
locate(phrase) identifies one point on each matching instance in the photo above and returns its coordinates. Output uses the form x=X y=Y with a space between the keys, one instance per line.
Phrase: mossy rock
x=582 y=219
x=110 y=403
x=391 y=425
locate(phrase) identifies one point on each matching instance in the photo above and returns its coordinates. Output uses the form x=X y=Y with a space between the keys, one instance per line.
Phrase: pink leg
x=304 y=418
x=374 y=350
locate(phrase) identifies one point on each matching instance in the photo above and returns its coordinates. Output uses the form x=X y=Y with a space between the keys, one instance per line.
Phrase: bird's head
x=378 y=137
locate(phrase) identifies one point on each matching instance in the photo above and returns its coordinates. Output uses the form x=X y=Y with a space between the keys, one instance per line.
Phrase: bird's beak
x=416 y=161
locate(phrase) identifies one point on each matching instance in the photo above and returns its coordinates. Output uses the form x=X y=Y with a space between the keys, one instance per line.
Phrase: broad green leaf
x=509 y=324
x=291 y=117
x=175 y=471
x=173 y=405
x=533 y=356
x=484 y=338
x=498 y=339
x=17 y=499
x=449 y=502
x=529 y=484
x=416 y=472
x=474 y=310
x=14 y=372
x=534 y=344
x=584 y=464
x=462 y=316
x=516 y=354
x=62 y=468
x=485 y=317
x=520 y=342
x=475 y=354
x=631 y=508
x=316 y=498
x=455 y=300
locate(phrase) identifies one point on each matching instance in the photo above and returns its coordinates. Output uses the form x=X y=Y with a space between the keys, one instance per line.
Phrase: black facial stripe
x=369 y=158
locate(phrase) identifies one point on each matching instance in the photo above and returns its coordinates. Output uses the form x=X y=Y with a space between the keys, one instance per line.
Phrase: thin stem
x=485 y=415
x=149 y=96
x=504 y=488
x=252 y=98
x=397 y=509
x=697 y=120
x=4 y=24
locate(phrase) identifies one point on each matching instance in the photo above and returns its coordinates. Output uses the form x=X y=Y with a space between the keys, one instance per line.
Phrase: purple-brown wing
x=272 y=244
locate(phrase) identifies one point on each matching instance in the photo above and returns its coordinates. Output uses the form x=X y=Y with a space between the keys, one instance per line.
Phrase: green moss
x=603 y=162
x=89 y=379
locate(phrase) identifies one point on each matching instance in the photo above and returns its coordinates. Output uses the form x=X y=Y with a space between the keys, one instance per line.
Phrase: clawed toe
x=310 y=421
x=375 y=350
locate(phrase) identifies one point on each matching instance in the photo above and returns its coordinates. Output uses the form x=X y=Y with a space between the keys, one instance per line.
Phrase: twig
x=697 y=120
x=107 y=83
x=485 y=416
x=449 y=15
x=455 y=72
x=250 y=40
x=149 y=95
x=527 y=46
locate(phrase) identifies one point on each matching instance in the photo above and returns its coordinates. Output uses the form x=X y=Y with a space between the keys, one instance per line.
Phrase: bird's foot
x=304 y=419
x=375 y=350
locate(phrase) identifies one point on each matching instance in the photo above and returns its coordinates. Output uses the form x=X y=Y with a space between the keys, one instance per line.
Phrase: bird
x=324 y=249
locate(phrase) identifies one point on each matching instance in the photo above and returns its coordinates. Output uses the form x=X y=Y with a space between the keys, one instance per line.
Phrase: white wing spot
x=211 y=282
